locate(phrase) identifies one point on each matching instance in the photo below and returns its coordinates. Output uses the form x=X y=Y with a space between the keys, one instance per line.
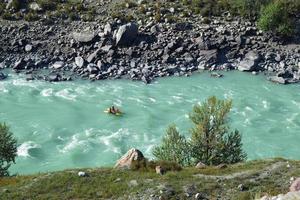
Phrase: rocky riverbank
x=61 y=50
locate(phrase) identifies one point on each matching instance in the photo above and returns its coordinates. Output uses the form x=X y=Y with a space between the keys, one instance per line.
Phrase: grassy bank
x=240 y=181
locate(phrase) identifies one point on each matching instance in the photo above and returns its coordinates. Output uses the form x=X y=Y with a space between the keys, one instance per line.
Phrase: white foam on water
x=228 y=94
x=290 y=120
x=152 y=99
x=296 y=103
x=170 y=102
x=265 y=104
x=66 y=94
x=23 y=149
x=23 y=82
x=74 y=143
x=248 y=108
x=113 y=136
x=60 y=138
x=89 y=132
x=47 y=92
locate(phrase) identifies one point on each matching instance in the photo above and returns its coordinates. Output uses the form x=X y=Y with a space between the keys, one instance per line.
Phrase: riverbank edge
x=144 y=49
x=247 y=180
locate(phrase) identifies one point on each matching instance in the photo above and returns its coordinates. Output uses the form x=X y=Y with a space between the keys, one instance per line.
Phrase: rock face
x=126 y=160
x=295 y=185
x=126 y=34
x=250 y=62
x=84 y=37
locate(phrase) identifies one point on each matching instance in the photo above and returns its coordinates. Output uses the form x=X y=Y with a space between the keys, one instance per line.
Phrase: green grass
x=106 y=183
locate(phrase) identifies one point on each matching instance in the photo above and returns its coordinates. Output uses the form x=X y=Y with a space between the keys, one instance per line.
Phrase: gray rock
x=250 y=62
x=92 y=56
x=2 y=65
x=277 y=79
x=107 y=29
x=128 y=158
x=84 y=37
x=133 y=183
x=35 y=6
x=160 y=170
x=28 y=47
x=106 y=48
x=278 y=57
x=2 y=76
x=29 y=77
x=92 y=68
x=20 y=64
x=53 y=77
x=200 y=165
x=295 y=186
x=207 y=58
x=79 y=61
x=58 y=65
x=126 y=34
x=82 y=174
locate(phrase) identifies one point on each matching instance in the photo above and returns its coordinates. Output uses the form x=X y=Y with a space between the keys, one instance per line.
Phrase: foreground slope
x=240 y=181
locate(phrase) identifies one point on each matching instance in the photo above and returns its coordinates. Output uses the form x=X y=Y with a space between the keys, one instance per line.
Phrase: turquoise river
x=62 y=125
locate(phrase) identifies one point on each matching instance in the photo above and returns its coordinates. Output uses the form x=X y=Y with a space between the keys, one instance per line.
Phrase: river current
x=62 y=125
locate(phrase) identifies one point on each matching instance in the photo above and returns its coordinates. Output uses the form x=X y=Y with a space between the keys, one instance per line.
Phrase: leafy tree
x=8 y=149
x=174 y=148
x=211 y=141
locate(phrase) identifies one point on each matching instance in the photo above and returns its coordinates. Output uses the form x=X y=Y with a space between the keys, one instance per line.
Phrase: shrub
x=146 y=166
x=174 y=148
x=7 y=16
x=16 y=4
x=211 y=141
x=2 y=7
x=31 y=16
x=275 y=17
x=48 y=5
x=8 y=149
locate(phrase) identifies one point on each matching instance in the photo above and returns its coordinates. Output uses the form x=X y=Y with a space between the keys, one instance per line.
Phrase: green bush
x=16 y=4
x=7 y=15
x=2 y=7
x=47 y=4
x=8 y=149
x=174 y=148
x=211 y=141
x=146 y=166
x=276 y=17
x=31 y=16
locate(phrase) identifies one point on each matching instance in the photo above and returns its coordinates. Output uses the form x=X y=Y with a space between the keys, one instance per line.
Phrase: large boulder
x=58 y=65
x=277 y=79
x=126 y=34
x=126 y=160
x=79 y=61
x=249 y=63
x=84 y=37
x=207 y=58
x=295 y=186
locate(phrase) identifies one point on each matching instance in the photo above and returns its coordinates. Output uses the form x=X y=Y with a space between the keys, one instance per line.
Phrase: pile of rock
x=145 y=51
